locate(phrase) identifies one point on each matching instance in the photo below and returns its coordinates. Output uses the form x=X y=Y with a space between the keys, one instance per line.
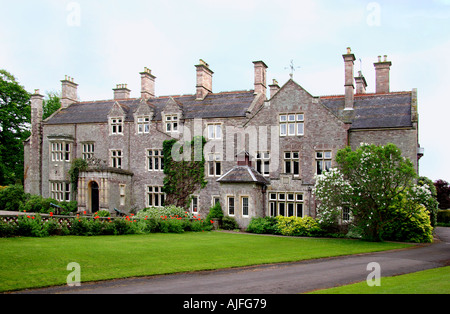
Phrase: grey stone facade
x=289 y=137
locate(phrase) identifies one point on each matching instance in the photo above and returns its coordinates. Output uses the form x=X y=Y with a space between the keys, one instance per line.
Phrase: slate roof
x=243 y=174
x=391 y=110
x=215 y=105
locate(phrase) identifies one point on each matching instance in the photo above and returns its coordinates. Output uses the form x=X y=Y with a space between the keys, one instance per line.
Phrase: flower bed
x=28 y=225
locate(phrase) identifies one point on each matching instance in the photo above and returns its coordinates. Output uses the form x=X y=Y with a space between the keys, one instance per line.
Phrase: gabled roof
x=215 y=105
x=243 y=174
x=392 y=110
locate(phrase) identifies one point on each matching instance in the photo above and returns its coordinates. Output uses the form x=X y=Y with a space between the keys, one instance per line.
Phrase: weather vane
x=292 y=68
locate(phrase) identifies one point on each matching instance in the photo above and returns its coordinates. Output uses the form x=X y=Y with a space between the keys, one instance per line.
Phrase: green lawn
x=40 y=262
x=432 y=281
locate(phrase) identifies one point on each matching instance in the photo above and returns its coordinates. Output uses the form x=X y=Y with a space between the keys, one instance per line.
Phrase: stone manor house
x=262 y=151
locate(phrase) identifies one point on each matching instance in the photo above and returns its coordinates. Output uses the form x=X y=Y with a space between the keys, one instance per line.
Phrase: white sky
x=104 y=43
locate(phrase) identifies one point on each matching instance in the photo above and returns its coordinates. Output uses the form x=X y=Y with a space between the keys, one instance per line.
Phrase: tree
x=51 y=104
x=184 y=169
x=15 y=116
x=370 y=182
x=443 y=193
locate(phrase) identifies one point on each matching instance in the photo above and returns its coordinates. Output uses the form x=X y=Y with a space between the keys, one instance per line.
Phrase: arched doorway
x=94 y=192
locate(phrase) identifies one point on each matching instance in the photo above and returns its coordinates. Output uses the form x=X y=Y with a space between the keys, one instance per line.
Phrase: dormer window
x=143 y=125
x=116 y=126
x=171 y=122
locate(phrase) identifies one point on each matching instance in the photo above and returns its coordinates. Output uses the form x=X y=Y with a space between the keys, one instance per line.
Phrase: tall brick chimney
x=204 y=80
x=147 y=84
x=361 y=83
x=121 y=92
x=260 y=77
x=349 y=59
x=382 y=69
x=69 y=93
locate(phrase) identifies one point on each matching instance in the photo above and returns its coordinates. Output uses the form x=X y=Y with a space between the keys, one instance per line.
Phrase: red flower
x=32 y=217
x=51 y=214
x=212 y=221
x=28 y=216
x=84 y=212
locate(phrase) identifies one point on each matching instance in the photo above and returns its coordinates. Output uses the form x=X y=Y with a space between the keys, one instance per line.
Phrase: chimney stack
x=121 y=92
x=260 y=77
x=349 y=59
x=147 y=84
x=382 y=69
x=204 y=80
x=69 y=93
x=274 y=88
x=361 y=83
x=33 y=182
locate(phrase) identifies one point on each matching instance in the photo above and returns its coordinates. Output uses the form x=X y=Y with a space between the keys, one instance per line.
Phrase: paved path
x=288 y=278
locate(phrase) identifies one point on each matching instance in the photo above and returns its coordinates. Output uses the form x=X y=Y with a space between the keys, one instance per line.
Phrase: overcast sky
x=104 y=43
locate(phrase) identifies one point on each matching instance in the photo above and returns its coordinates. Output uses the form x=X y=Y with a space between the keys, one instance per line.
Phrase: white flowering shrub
x=369 y=183
x=332 y=192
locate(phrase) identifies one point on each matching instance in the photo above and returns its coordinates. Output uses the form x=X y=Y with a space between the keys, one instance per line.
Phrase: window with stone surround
x=155 y=196
x=116 y=126
x=230 y=205
x=292 y=124
x=244 y=205
x=286 y=204
x=214 y=131
x=214 y=164
x=61 y=151
x=323 y=161
x=171 y=122
x=88 y=150
x=60 y=191
x=262 y=163
x=292 y=163
x=155 y=160
x=116 y=158
x=194 y=204
x=143 y=125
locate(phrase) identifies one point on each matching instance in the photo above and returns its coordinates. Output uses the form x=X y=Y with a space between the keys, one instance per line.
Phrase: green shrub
x=297 y=226
x=229 y=223
x=266 y=225
x=7 y=229
x=68 y=207
x=215 y=212
x=30 y=226
x=12 y=198
x=103 y=213
x=167 y=211
x=443 y=216
x=408 y=222
x=38 y=204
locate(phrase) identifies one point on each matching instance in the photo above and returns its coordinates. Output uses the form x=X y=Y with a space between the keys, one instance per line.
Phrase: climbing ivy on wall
x=184 y=169
x=77 y=166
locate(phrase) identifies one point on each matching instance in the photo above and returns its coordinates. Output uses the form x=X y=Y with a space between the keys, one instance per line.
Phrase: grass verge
x=40 y=262
x=431 y=281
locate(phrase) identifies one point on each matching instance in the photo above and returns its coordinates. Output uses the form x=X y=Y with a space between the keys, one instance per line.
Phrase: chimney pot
x=121 y=92
x=274 y=88
x=147 y=84
x=69 y=92
x=204 y=80
x=382 y=69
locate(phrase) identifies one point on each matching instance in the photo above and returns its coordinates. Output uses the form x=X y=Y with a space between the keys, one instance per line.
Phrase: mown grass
x=40 y=262
x=432 y=281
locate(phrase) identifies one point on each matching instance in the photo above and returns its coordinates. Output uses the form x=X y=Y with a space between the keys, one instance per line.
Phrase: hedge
x=37 y=226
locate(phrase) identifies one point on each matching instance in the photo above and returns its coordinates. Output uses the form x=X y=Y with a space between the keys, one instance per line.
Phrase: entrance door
x=94 y=197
